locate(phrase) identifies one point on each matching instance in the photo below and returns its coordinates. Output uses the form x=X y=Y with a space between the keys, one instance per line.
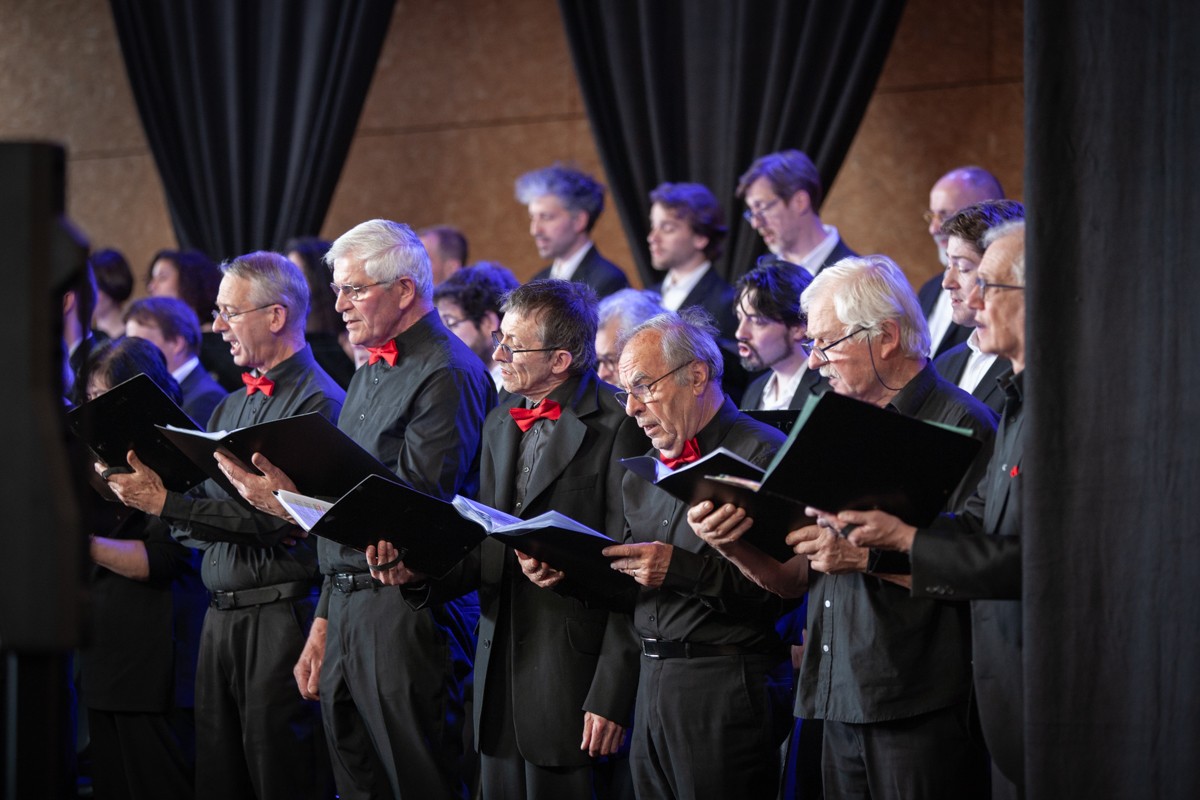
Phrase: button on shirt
x=875 y=653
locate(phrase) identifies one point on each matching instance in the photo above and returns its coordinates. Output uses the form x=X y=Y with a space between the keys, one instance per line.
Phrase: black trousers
x=256 y=737
x=136 y=757
x=931 y=756
x=392 y=695
x=707 y=728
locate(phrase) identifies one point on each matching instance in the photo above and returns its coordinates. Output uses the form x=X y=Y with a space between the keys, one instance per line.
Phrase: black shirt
x=422 y=417
x=704 y=598
x=241 y=546
x=874 y=653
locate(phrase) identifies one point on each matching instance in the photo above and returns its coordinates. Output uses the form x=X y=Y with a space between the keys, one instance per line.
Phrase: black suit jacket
x=928 y=296
x=839 y=251
x=714 y=295
x=597 y=272
x=810 y=384
x=950 y=365
x=976 y=556
x=566 y=658
x=201 y=394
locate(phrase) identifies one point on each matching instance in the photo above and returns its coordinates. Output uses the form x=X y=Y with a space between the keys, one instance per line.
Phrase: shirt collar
x=564 y=269
x=185 y=369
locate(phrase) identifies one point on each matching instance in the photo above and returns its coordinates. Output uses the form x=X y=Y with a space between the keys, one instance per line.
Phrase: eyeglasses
x=642 y=391
x=811 y=344
x=608 y=362
x=760 y=213
x=452 y=323
x=356 y=292
x=982 y=286
x=937 y=216
x=498 y=344
x=231 y=316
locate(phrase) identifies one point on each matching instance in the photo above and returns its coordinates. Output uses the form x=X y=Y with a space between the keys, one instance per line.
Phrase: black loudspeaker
x=43 y=546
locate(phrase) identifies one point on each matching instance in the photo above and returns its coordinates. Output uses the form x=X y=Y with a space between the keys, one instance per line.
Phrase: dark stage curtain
x=695 y=90
x=1112 y=553
x=249 y=108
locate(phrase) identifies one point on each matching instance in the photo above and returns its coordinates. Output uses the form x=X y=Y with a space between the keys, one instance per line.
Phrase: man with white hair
x=390 y=679
x=888 y=673
x=620 y=313
x=976 y=555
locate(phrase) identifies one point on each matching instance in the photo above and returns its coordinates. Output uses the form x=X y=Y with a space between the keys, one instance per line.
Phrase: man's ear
x=889 y=338
x=699 y=373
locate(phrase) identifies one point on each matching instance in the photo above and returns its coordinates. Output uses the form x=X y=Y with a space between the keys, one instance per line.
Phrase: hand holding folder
x=432 y=535
x=841 y=454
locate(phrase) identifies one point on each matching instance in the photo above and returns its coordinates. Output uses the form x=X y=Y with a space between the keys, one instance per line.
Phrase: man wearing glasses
x=255 y=735
x=952 y=192
x=554 y=678
x=966 y=364
x=888 y=673
x=704 y=627
x=390 y=679
x=469 y=304
x=976 y=554
x=783 y=195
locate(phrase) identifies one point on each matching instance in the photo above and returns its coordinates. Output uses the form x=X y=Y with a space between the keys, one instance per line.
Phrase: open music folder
x=842 y=454
x=126 y=418
x=433 y=535
x=319 y=458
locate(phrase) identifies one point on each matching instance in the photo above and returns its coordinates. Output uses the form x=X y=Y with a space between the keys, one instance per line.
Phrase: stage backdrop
x=694 y=90
x=249 y=109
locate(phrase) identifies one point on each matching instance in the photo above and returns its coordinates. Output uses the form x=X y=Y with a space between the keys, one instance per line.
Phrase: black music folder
x=319 y=458
x=842 y=454
x=126 y=418
x=433 y=535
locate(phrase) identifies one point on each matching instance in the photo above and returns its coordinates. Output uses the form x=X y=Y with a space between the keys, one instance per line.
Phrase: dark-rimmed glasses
x=760 y=213
x=811 y=344
x=642 y=391
x=982 y=287
x=498 y=344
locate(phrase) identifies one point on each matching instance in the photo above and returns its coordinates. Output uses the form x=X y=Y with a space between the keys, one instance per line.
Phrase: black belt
x=226 y=601
x=660 y=648
x=347 y=582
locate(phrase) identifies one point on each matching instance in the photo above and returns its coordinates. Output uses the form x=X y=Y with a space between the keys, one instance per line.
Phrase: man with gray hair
x=976 y=555
x=255 y=735
x=620 y=313
x=702 y=624
x=783 y=195
x=390 y=679
x=564 y=204
x=554 y=679
x=888 y=673
x=966 y=364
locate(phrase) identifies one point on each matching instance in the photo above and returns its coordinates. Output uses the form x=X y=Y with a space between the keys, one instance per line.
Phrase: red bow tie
x=388 y=353
x=525 y=417
x=260 y=384
x=691 y=452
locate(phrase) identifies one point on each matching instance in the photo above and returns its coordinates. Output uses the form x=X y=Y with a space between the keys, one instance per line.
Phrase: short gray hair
x=273 y=279
x=686 y=336
x=869 y=290
x=630 y=308
x=389 y=251
x=1009 y=229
